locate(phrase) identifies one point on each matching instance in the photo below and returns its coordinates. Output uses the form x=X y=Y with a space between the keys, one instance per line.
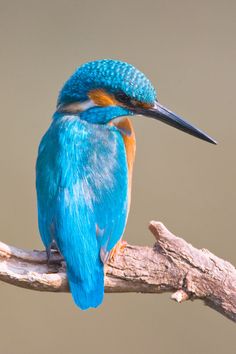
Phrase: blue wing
x=82 y=190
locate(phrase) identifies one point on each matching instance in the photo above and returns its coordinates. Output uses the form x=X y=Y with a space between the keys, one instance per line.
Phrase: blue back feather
x=82 y=199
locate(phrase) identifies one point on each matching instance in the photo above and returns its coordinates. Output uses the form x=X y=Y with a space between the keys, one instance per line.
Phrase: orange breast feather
x=130 y=146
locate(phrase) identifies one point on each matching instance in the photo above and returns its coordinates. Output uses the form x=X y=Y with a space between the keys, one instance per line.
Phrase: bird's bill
x=163 y=114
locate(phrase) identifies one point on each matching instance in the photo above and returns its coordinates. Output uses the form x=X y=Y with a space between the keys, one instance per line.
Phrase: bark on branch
x=172 y=265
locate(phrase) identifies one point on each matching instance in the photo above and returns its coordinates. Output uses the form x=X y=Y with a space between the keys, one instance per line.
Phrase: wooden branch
x=171 y=265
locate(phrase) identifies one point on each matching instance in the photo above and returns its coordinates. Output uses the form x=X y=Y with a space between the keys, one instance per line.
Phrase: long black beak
x=163 y=114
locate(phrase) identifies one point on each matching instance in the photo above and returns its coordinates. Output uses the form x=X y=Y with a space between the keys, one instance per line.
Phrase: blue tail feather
x=85 y=299
x=77 y=241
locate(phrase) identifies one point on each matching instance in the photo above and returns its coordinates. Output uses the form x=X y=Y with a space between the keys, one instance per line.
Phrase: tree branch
x=172 y=265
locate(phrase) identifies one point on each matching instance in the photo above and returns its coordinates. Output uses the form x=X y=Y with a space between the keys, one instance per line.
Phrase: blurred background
x=188 y=49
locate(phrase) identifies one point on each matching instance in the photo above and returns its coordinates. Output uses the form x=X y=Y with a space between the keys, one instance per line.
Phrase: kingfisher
x=84 y=169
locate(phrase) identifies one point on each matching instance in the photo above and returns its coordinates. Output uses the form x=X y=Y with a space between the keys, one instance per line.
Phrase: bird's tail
x=77 y=242
x=85 y=298
x=85 y=274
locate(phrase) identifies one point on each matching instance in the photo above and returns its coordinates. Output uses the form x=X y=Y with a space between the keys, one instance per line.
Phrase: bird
x=84 y=168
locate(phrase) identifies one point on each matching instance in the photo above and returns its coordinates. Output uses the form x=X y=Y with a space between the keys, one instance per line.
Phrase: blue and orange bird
x=84 y=168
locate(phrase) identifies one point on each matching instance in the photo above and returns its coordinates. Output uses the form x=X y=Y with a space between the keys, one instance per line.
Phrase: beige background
x=188 y=49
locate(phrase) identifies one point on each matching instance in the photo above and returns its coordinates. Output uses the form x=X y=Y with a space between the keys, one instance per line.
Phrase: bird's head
x=102 y=90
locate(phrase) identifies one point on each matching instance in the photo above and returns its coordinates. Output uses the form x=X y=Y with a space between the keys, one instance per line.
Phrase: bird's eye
x=130 y=102
x=123 y=98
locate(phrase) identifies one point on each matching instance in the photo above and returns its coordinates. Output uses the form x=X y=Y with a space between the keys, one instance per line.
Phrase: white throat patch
x=76 y=106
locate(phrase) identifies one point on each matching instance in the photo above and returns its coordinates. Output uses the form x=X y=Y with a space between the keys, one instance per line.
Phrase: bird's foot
x=119 y=248
x=52 y=250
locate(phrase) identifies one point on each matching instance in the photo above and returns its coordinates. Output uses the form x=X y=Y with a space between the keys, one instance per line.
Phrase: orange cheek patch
x=142 y=104
x=102 y=98
x=145 y=105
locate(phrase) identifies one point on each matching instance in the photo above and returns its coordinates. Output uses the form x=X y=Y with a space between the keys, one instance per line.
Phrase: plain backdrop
x=188 y=49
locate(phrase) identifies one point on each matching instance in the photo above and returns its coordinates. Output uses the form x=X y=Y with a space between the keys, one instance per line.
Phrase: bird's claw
x=52 y=250
x=119 y=248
